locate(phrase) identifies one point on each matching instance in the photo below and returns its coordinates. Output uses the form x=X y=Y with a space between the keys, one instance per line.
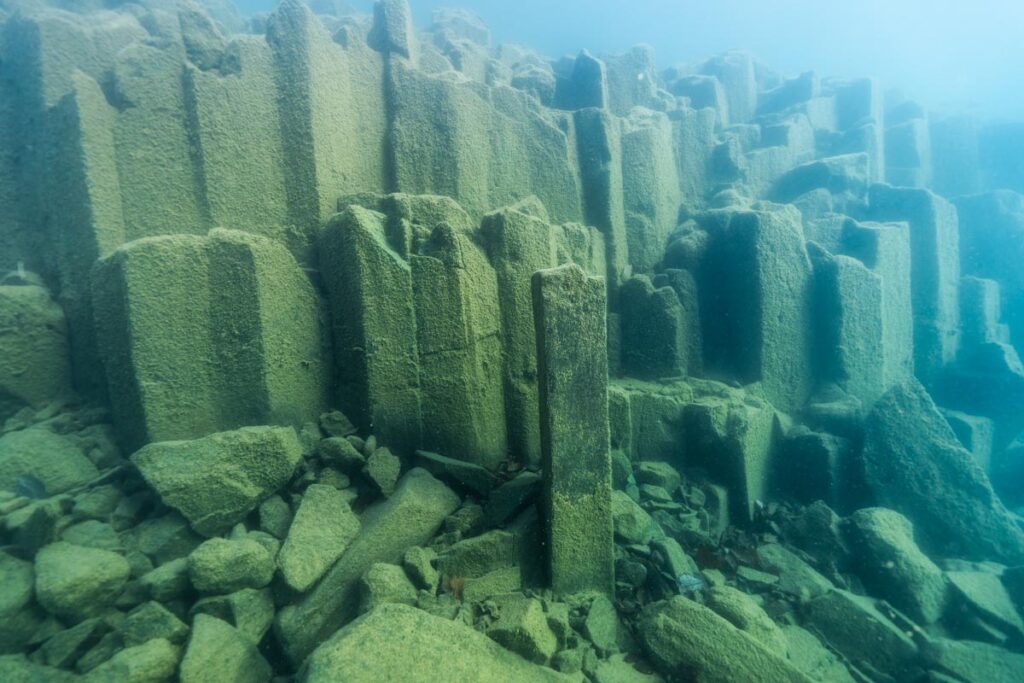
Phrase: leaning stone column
x=570 y=316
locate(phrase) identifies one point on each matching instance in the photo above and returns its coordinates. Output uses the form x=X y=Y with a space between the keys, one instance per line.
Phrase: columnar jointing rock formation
x=335 y=349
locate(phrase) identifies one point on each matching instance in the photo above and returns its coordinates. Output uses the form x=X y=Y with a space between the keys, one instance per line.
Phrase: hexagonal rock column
x=570 y=317
x=205 y=334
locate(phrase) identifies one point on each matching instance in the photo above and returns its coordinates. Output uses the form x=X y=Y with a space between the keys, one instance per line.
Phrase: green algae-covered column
x=570 y=317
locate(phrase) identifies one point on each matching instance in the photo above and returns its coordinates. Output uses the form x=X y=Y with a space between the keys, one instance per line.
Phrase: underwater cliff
x=334 y=348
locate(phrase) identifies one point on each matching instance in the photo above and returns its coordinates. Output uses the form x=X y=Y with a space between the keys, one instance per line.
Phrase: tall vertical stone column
x=570 y=317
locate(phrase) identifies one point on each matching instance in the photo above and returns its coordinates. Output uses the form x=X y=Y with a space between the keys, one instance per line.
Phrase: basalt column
x=570 y=318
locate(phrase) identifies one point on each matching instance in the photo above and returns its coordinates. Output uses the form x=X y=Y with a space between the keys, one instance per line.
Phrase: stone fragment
x=462 y=474
x=64 y=649
x=217 y=480
x=973 y=662
x=218 y=652
x=522 y=627
x=323 y=527
x=167 y=582
x=249 y=610
x=408 y=518
x=336 y=424
x=570 y=311
x=808 y=654
x=221 y=566
x=275 y=516
x=55 y=460
x=740 y=610
x=796 y=577
x=984 y=594
x=659 y=474
x=685 y=639
x=396 y=641
x=631 y=523
x=851 y=625
x=511 y=498
x=383 y=468
x=893 y=567
x=35 y=368
x=419 y=565
x=249 y=345
x=153 y=662
x=19 y=618
x=152 y=620
x=385 y=583
x=341 y=453
x=74 y=582
x=478 y=555
x=914 y=465
x=497 y=582
x=601 y=627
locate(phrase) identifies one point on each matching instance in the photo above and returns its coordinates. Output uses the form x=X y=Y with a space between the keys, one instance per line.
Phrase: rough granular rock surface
x=217 y=480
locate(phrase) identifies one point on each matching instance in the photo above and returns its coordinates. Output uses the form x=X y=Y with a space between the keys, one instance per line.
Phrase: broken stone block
x=249 y=343
x=914 y=464
x=808 y=654
x=455 y=291
x=983 y=594
x=849 y=313
x=369 y=286
x=74 y=582
x=462 y=474
x=735 y=71
x=35 y=368
x=680 y=635
x=54 y=459
x=601 y=627
x=385 y=583
x=654 y=337
x=732 y=439
x=519 y=244
x=19 y=618
x=152 y=620
x=570 y=311
x=740 y=610
x=249 y=610
x=796 y=578
x=219 y=652
x=474 y=557
x=410 y=517
x=885 y=249
x=419 y=565
x=522 y=627
x=392 y=31
x=757 y=306
x=851 y=625
x=511 y=498
x=217 y=480
x=585 y=86
x=973 y=662
x=323 y=527
x=393 y=640
x=934 y=270
x=631 y=523
x=892 y=566
x=156 y=660
x=63 y=649
x=220 y=566
x=383 y=468
x=818 y=466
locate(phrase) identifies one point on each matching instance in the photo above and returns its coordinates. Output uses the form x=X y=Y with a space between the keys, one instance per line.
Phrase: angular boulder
x=214 y=482
x=401 y=644
x=53 y=459
x=74 y=583
x=321 y=531
x=914 y=464
x=687 y=641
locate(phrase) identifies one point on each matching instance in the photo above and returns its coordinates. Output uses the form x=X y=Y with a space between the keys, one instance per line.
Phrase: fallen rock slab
x=217 y=652
x=687 y=641
x=402 y=644
x=215 y=481
x=914 y=464
x=892 y=566
x=321 y=531
x=55 y=460
x=410 y=517
x=974 y=662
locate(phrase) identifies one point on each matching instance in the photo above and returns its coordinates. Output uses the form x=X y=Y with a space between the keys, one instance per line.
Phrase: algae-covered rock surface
x=345 y=343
